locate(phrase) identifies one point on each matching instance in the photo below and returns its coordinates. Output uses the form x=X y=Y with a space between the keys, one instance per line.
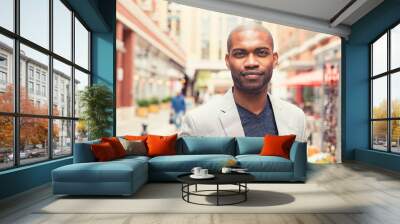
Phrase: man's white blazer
x=220 y=117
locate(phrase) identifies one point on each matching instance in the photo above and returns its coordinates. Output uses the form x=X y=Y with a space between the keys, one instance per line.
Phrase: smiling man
x=247 y=109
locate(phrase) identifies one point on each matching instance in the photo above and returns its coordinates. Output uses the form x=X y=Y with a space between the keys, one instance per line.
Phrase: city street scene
x=168 y=52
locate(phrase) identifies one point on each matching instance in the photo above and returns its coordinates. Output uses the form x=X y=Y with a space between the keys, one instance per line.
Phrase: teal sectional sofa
x=125 y=176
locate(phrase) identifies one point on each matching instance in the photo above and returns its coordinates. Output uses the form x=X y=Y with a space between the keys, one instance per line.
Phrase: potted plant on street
x=96 y=102
x=142 y=109
x=154 y=108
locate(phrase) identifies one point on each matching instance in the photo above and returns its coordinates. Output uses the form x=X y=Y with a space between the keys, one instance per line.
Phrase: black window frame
x=16 y=115
x=388 y=74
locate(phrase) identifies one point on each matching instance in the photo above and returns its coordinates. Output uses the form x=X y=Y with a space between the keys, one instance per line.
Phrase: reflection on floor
x=377 y=188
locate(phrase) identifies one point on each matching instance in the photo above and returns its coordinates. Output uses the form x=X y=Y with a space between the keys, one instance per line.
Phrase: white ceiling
x=324 y=16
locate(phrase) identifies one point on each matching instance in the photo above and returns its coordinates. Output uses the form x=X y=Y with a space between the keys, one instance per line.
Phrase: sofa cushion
x=249 y=145
x=275 y=145
x=103 y=152
x=185 y=163
x=161 y=145
x=116 y=145
x=257 y=163
x=206 y=145
x=135 y=137
x=134 y=147
x=131 y=158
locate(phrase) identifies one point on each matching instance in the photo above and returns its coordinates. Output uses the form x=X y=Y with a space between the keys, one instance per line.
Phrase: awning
x=313 y=78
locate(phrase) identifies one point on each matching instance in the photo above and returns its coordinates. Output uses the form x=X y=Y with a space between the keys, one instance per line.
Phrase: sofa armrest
x=298 y=155
x=83 y=152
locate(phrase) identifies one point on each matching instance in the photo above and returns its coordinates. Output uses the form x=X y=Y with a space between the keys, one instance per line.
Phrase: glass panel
x=395 y=136
x=379 y=97
x=81 y=81
x=81 y=131
x=34 y=81
x=7 y=14
x=62 y=29
x=62 y=138
x=395 y=47
x=395 y=94
x=6 y=142
x=62 y=89
x=6 y=74
x=379 y=55
x=379 y=135
x=81 y=45
x=33 y=139
x=35 y=21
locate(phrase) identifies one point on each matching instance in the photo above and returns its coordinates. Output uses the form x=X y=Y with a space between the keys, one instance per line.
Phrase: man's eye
x=262 y=53
x=239 y=54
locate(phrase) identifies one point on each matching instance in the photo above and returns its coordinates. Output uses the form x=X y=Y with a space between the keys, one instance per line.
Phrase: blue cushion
x=206 y=145
x=185 y=163
x=257 y=163
x=249 y=145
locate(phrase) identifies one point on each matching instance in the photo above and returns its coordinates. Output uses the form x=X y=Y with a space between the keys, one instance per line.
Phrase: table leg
x=182 y=188
x=245 y=193
x=217 y=194
x=188 y=190
x=196 y=188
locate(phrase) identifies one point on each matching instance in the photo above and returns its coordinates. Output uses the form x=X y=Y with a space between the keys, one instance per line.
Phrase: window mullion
x=389 y=106
x=50 y=81
x=73 y=82
x=16 y=85
x=371 y=98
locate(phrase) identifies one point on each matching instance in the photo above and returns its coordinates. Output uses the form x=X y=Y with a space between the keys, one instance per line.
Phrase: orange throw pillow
x=103 y=152
x=135 y=138
x=275 y=145
x=161 y=145
x=116 y=145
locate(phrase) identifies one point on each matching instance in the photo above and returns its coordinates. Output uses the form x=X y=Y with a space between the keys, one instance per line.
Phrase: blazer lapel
x=229 y=116
x=279 y=114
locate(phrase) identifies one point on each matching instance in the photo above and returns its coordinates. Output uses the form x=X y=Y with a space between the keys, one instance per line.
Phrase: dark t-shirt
x=258 y=125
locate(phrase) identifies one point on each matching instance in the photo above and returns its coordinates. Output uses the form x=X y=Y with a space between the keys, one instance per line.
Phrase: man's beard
x=252 y=89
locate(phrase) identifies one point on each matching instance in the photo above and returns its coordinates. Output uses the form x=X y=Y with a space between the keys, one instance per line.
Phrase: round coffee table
x=238 y=179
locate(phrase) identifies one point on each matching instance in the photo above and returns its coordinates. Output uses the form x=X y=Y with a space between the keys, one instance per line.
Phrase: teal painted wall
x=100 y=17
x=103 y=65
x=355 y=85
x=24 y=178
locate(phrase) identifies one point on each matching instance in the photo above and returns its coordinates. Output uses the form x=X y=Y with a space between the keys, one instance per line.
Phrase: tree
x=33 y=131
x=379 y=128
x=6 y=122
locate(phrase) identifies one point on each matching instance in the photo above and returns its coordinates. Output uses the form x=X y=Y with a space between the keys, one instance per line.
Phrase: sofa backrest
x=83 y=152
x=192 y=146
x=249 y=145
x=206 y=145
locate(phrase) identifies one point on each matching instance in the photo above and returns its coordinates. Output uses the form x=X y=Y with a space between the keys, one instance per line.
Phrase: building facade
x=150 y=62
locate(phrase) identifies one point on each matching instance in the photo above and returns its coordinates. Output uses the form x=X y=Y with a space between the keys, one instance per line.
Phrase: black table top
x=220 y=178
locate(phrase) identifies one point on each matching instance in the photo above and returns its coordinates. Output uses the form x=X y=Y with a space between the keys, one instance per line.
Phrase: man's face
x=251 y=60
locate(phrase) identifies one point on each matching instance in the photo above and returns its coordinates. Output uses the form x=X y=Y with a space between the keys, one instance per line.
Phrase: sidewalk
x=157 y=123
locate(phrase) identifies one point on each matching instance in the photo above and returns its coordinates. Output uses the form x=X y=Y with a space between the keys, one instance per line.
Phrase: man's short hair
x=241 y=28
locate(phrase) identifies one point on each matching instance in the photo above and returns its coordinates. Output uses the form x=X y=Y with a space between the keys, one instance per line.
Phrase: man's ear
x=275 y=58
x=227 y=61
